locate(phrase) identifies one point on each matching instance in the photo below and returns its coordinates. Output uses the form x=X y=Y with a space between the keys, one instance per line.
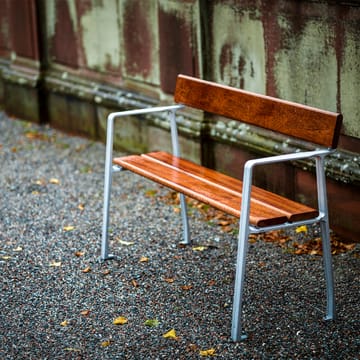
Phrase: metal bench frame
x=245 y=228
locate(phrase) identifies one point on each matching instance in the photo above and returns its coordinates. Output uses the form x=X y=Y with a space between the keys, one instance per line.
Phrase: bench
x=258 y=210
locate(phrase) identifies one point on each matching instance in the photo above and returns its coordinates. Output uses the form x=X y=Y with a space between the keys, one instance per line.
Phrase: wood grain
x=304 y=122
x=216 y=189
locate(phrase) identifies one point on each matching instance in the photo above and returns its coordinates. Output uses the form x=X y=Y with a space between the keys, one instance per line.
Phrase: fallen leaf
x=85 y=312
x=126 y=243
x=81 y=207
x=78 y=253
x=209 y=352
x=68 y=228
x=144 y=259
x=199 y=248
x=211 y=282
x=19 y=248
x=71 y=349
x=105 y=343
x=86 y=270
x=106 y=272
x=192 y=347
x=151 y=322
x=35 y=135
x=150 y=193
x=170 y=334
x=169 y=280
x=64 y=323
x=55 y=264
x=121 y=320
x=186 y=287
x=134 y=283
x=40 y=182
x=54 y=181
x=301 y=229
x=6 y=257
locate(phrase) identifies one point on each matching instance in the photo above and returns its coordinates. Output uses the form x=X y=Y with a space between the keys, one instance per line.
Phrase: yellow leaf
x=64 y=323
x=81 y=207
x=86 y=270
x=105 y=343
x=121 y=320
x=68 y=228
x=54 y=181
x=40 y=182
x=6 y=257
x=19 y=248
x=199 y=248
x=209 y=352
x=300 y=229
x=85 y=312
x=169 y=280
x=55 y=264
x=144 y=259
x=170 y=334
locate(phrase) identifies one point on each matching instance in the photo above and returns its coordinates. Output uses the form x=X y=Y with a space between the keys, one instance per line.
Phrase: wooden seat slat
x=293 y=210
x=213 y=188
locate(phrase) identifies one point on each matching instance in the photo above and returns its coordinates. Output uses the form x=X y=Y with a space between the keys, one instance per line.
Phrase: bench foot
x=242 y=337
x=329 y=317
x=109 y=257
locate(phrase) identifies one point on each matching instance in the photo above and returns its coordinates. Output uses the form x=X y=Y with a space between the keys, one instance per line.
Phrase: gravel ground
x=58 y=302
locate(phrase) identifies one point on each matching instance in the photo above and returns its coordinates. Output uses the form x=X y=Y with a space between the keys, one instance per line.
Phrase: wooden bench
x=259 y=210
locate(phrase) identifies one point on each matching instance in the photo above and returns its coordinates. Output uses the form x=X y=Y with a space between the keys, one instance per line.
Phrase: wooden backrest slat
x=304 y=122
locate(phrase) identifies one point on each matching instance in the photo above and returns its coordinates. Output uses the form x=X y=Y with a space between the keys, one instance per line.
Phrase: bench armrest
x=287 y=157
x=110 y=125
x=320 y=177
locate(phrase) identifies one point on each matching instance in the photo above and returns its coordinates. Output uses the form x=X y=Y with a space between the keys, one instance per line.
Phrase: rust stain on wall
x=24 y=28
x=137 y=39
x=176 y=50
x=64 y=43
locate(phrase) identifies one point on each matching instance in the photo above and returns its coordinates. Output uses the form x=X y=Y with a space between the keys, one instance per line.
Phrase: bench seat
x=213 y=188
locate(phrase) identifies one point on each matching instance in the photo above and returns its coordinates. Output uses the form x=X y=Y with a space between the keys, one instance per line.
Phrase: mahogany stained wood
x=292 y=119
x=216 y=189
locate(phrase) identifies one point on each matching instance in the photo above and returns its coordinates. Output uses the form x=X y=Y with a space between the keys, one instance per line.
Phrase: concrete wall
x=69 y=62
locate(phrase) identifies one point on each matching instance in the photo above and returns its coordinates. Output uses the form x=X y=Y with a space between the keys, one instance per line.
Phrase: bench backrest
x=304 y=122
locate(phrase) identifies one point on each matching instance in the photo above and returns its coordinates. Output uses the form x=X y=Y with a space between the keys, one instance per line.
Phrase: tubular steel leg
x=325 y=235
x=244 y=230
x=330 y=298
x=236 y=327
x=107 y=190
x=105 y=226
x=185 y=220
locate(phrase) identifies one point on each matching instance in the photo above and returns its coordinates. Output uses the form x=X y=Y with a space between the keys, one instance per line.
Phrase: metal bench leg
x=105 y=226
x=325 y=235
x=107 y=189
x=330 y=298
x=244 y=231
x=236 y=328
x=185 y=220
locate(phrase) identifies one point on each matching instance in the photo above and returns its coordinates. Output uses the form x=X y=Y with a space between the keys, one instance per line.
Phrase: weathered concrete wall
x=70 y=62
